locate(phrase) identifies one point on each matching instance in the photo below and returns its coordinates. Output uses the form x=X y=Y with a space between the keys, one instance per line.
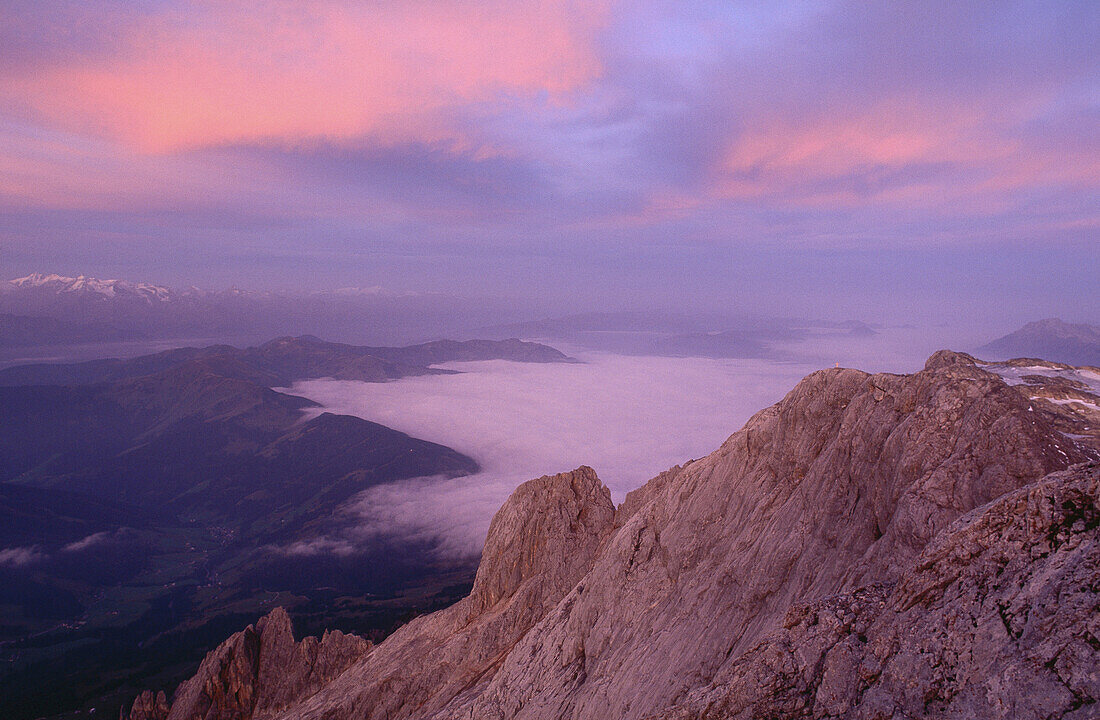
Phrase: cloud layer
x=628 y=417
x=17 y=557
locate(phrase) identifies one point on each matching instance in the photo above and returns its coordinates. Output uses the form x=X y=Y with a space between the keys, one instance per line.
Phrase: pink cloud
x=77 y=173
x=804 y=159
x=237 y=72
x=912 y=155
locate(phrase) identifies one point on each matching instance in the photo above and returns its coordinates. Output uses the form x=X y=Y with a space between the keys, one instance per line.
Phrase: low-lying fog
x=629 y=417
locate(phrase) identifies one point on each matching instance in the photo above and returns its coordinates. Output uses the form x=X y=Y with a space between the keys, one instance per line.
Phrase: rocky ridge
x=861 y=520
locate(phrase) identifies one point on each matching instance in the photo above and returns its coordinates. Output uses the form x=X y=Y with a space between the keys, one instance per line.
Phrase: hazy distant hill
x=1052 y=339
x=283 y=360
x=685 y=335
x=29 y=330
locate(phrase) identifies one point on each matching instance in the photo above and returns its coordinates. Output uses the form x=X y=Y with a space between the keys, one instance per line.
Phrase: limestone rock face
x=840 y=485
x=256 y=673
x=288 y=672
x=836 y=557
x=540 y=543
x=999 y=617
x=545 y=536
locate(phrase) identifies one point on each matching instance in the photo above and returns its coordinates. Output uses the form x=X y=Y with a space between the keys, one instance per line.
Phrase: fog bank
x=627 y=417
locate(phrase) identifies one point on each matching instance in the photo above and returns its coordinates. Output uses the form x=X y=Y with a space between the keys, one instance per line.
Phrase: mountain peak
x=259 y=670
x=1061 y=328
x=85 y=285
x=1051 y=339
x=946 y=358
x=549 y=527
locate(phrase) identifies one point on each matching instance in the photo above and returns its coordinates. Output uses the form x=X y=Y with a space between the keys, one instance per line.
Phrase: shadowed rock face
x=854 y=494
x=256 y=673
x=147 y=706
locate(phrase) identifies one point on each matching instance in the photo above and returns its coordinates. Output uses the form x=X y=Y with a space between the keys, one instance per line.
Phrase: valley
x=152 y=504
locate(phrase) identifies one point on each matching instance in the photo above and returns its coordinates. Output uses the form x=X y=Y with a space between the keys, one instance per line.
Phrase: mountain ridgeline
x=42 y=314
x=282 y=361
x=1052 y=339
x=872 y=546
x=149 y=505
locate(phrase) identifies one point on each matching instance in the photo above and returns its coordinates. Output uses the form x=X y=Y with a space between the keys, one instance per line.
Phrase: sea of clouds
x=627 y=417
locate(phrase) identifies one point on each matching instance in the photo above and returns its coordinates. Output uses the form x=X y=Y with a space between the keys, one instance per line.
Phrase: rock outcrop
x=256 y=673
x=856 y=508
x=840 y=485
x=147 y=706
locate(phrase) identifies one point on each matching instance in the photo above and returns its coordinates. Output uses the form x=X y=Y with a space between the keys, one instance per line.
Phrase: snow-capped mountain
x=108 y=289
x=91 y=309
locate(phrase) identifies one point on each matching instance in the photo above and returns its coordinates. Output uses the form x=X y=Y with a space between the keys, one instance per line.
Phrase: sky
x=848 y=158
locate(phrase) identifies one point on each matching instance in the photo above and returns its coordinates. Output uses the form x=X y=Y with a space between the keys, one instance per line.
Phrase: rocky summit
x=872 y=546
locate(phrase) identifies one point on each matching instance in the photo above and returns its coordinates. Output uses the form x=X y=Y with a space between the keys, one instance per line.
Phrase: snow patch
x=1067 y=401
x=1013 y=375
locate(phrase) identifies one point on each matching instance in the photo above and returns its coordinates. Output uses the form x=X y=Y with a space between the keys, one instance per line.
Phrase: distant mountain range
x=103 y=289
x=684 y=335
x=46 y=284
x=146 y=504
x=1052 y=339
x=46 y=310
